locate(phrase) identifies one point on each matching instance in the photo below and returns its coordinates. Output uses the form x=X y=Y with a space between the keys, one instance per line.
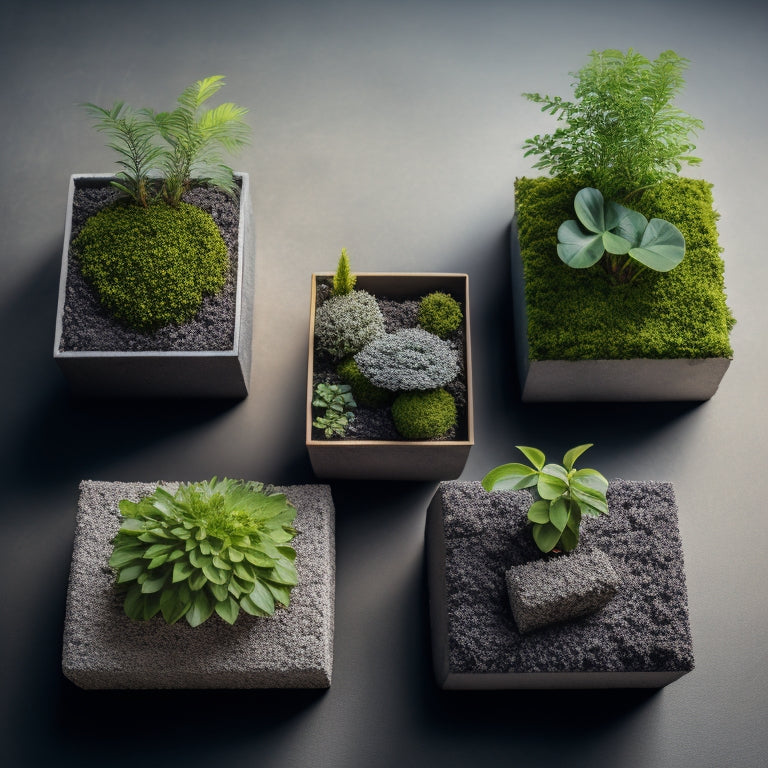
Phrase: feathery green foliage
x=343 y=281
x=152 y=266
x=196 y=138
x=335 y=400
x=580 y=314
x=621 y=131
x=134 y=139
x=565 y=493
x=440 y=314
x=424 y=415
x=213 y=546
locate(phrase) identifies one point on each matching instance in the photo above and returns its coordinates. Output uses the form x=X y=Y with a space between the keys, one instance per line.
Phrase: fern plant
x=621 y=132
x=213 y=546
x=196 y=138
x=134 y=138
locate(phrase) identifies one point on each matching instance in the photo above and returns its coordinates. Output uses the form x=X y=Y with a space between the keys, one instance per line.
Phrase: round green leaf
x=662 y=247
x=627 y=224
x=539 y=512
x=558 y=513
x=228 y=609
x=552 y=481
x=509 y=477
x=614 y=243
x=546 y=536
x=576 y=248
x=590 y=478
x=590 y=209
x=569 y=539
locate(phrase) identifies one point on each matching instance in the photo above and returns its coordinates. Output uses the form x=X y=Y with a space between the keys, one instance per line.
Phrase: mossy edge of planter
x=164 y=373
x=580 y=337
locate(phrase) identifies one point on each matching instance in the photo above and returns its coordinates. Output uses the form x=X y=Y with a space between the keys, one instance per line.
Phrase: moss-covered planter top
x=578 y=314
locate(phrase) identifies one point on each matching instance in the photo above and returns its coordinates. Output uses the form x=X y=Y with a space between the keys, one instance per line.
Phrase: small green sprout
x=336 y=400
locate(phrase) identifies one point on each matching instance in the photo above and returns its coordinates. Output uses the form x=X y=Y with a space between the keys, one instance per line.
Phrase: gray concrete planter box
x=103 y=648
x=637 y=380
x=640 y=639
x=204 y=373
x=394 y=459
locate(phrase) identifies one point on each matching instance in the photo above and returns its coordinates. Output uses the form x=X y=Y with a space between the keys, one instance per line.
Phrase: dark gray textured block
x=103 y=648
x=641 y=638
x=560 y=588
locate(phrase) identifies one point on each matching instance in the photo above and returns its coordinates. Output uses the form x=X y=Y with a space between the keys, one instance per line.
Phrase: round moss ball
x=364 y=392
x=424 y=415
x=152 y=266
x=440 y=314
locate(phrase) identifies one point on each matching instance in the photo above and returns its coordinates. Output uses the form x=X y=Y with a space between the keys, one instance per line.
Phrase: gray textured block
x=560 y=588
x=103 y=648
x=640 y=639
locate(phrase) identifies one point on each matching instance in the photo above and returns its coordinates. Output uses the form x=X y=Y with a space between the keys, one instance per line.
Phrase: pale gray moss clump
x=409 y=359
x=345 y=324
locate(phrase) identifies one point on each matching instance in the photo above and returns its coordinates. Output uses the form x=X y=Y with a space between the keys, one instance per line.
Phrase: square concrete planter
x=223 y=372
x=640 y=639
x=394 y=459
x=103 y=648
x=676 y=377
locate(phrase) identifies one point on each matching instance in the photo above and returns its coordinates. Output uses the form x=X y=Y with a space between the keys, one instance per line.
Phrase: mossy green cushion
x=580 y=314
x=152 y=266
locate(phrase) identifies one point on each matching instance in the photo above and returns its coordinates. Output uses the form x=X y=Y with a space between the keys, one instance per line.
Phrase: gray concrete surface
x=393 y=128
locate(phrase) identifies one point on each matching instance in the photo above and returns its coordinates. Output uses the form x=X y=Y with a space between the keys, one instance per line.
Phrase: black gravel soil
x=87 y=326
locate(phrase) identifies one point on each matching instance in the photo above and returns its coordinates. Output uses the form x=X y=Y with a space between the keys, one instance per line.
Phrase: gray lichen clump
x=409 y=359
x=345 y=324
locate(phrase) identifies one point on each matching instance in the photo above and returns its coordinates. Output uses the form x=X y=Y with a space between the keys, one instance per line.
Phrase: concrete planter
x=639 y=639
x=394 y=459
x=637 y=380
x=164 y=373
x=103 y=648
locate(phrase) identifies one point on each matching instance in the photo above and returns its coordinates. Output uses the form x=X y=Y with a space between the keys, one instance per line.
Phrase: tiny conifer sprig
x=213 y=546
x=343 y=281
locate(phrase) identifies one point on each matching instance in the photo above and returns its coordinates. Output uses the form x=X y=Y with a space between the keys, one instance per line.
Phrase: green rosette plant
x=335 y=400
x=565 y=494
x=216 y=546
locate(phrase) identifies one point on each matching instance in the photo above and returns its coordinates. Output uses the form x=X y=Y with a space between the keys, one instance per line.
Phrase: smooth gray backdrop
x=392 y=128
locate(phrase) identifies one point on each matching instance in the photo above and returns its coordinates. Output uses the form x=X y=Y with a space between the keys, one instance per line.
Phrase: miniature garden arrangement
x=156 y=256
x=216 y=584
x=524 y=595
x=390 y=367
x=641 y=313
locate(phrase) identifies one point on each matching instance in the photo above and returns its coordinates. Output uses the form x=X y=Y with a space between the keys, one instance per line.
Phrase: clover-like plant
x=335 y=400
x=343 y=281
x=565 y=494
x=220 y=545
x=609 y=227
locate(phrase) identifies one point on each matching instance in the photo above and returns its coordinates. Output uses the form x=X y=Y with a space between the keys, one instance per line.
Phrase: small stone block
x=560 y=588
x=103 y=648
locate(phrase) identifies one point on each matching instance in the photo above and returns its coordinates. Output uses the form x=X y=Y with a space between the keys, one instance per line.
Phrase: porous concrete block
x=103 y=648
x=560 y=588
x=640 y=639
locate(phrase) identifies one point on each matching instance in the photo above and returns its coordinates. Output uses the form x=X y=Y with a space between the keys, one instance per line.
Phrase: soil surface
x=87 y=326
x=377 y=423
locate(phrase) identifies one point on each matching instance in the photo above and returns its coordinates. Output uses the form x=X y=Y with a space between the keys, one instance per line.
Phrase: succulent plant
x=440 y=314
x=345 y=324
x=336 y=399
x=409 y=359
x=213 y=546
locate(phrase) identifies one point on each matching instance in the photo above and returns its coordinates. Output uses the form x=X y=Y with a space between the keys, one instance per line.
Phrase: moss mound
x=581 y=314
x=364 y=392
x=440 y=314
x=152 y=266
x=424 y=415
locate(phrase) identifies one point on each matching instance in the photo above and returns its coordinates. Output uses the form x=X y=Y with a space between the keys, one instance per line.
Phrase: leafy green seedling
x=336 y=399
x=565 y=493
x=620 y=231
x=343 y=281
x=213 y=546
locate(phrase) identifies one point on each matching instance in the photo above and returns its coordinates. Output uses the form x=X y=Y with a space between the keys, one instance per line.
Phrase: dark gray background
x=392 y=128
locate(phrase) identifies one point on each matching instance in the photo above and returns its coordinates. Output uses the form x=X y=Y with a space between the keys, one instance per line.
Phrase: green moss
x=440 y=314
x=424 y=415
x=581 y=314
x=364 y=392
x=152 y=266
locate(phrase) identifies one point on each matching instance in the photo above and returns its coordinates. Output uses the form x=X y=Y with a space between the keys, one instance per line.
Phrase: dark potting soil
x=377 y=423
x=87 y=326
